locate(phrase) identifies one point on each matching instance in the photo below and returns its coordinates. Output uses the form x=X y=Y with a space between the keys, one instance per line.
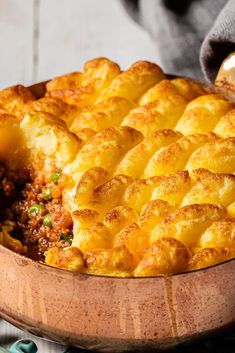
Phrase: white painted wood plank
x=16 y=39
x=73 y=31
x=70 y=32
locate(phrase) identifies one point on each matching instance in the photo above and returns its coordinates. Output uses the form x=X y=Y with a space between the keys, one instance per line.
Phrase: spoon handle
x=226 y=75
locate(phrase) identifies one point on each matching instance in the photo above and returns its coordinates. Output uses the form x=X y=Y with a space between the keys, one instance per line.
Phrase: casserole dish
x=115 y=314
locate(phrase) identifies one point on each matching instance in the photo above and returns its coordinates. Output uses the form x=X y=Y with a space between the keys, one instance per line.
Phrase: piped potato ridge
x=126 y=173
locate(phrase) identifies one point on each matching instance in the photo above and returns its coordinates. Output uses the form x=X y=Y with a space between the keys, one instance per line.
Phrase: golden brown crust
x=210 y=256
x=132 y=83
x=167 y=255
x=15 y=99
x=149 y=165
x=218 y=156
x=202 y=114
x=55 y=107
x=188 y=223
x=69 y=258
x=83 y=88
x=108 y=113
x=226 y=125
x=219 y=234
x=113 y=262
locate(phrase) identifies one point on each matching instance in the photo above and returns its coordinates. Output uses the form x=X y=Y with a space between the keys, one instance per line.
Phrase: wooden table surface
x=40 y=39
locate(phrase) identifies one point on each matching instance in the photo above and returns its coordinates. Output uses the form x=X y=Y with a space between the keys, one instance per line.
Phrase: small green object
x=55 y=177
x=35 y=210
x=47 y=222
x=47 y=194
x=66 y=237
x=23 y=346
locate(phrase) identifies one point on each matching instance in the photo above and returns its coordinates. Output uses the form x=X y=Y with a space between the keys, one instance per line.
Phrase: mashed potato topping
x=118 y=173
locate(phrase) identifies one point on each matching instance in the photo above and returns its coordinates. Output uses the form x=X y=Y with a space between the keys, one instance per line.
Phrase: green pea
x=47 y=194
x=35 y=210
x=47 y=222
x=55 y=177
x=66 y=237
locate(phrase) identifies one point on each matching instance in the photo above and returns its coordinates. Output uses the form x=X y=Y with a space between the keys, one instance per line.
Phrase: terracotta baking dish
x=117 y=314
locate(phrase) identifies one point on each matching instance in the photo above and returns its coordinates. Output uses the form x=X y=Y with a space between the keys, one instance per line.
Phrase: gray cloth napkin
x=193 y=36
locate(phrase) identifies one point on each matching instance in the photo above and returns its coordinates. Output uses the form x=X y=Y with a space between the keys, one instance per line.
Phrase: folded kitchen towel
x=188 y=33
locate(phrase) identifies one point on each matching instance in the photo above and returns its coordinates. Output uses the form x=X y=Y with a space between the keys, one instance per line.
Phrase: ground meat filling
x=34 y=206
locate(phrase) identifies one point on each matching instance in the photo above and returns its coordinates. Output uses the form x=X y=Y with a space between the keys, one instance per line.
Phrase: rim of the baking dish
x=74 y=273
